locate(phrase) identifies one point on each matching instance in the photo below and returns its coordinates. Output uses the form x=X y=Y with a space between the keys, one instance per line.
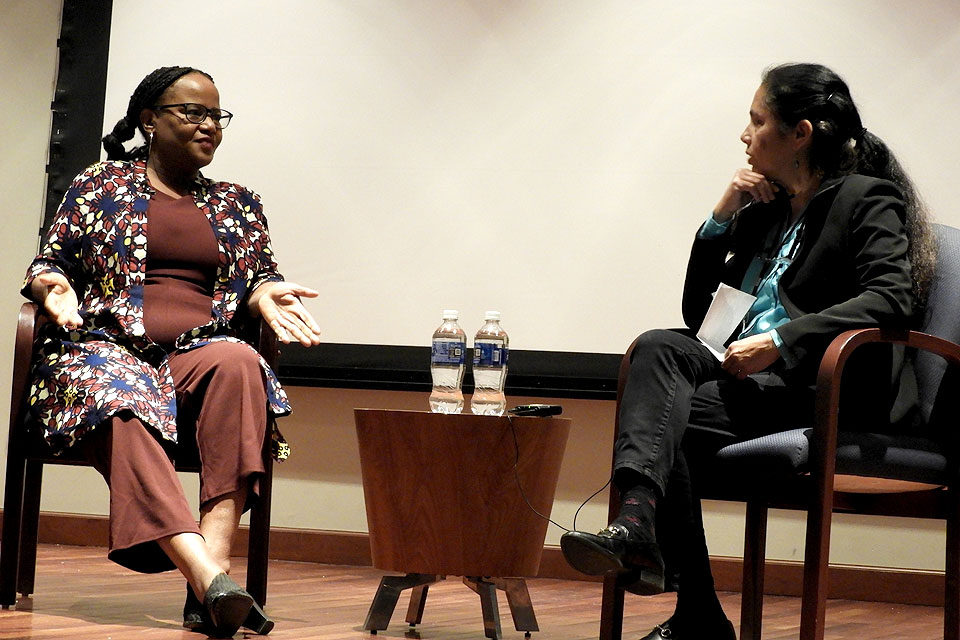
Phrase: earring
x=796 y=162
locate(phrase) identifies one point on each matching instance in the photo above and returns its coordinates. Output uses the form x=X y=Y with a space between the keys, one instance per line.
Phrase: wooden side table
x=443 y=497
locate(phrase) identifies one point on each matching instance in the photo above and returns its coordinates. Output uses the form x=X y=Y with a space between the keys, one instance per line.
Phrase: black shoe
x=257 y=621
x=195 y=617
x=616 y=549
x=227 y=605
x=664 y=631
x=643 y=582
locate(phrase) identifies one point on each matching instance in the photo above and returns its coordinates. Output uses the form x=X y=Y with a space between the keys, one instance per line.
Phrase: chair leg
x=258 y=547
x=12 y=522
x=754 y=557
x=418 y=600
x=951 y=596
x=816 y=562
x=611 y=610
x=29 y=528
x=488 y=605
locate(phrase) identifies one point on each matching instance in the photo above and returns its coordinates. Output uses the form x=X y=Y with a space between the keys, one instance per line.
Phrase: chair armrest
x=823 y=455
x=266 y=342
x=835 y=359
x=30 y=320
x=256 y=332
x=836 y=355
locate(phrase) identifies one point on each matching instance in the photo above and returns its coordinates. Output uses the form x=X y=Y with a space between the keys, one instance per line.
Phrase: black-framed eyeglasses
x=197 y=113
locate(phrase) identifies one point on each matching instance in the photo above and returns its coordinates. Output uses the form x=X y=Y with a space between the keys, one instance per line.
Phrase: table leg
x=418 y=599
x=488 y=605
x=385 y=600
x=521 y=608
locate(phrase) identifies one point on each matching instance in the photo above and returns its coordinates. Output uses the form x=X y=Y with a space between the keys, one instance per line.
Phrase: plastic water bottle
x=490 y=352
x=447 y=360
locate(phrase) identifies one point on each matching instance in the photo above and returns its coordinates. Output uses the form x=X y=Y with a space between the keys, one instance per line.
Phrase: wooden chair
x=27 y=453
x=824 y=469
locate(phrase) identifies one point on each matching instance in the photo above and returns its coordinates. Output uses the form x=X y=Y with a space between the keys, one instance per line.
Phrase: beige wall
x=28 y=59
x=319 y=488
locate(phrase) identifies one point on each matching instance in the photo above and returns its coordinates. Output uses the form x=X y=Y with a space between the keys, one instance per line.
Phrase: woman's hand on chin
x=746 y=186
x=278 y=303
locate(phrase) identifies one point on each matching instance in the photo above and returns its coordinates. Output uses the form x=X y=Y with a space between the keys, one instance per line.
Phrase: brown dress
x=221 y=401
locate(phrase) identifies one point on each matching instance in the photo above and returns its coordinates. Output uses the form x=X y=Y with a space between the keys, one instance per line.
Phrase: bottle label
x=488 y=354
x=448 y=352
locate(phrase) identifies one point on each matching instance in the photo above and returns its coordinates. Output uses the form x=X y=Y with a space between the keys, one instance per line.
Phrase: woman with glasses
x=825 y=229
x=147 y=271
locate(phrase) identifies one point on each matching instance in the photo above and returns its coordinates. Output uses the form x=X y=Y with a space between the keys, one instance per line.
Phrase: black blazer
x=850 y=270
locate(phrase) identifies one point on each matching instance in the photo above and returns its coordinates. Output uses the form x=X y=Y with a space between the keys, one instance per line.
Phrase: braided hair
x=840 y=145
x=144 y=97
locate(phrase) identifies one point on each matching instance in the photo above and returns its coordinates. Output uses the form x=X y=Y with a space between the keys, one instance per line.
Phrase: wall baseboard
x=875 y=584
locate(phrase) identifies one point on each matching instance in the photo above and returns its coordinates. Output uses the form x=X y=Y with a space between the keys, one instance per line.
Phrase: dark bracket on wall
x=77 y=106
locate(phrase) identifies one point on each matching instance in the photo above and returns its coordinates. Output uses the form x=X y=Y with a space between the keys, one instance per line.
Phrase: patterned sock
x=638 y=511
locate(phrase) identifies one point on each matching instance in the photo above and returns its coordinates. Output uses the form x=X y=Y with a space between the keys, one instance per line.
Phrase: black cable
x=516 y=475
x=584 y=503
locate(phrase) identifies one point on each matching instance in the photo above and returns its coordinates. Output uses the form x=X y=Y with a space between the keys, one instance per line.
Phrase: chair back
x=942 y=319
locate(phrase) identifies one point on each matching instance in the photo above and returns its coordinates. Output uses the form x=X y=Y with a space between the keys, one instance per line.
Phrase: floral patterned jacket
x=98 y=241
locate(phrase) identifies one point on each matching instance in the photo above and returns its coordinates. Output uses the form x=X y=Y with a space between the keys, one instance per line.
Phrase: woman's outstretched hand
x=278 y=303
x=750 y=355
x=746 y=186
x=53 y=292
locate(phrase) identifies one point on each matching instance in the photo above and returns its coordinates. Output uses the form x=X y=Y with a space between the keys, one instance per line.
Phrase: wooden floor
x=81 y=595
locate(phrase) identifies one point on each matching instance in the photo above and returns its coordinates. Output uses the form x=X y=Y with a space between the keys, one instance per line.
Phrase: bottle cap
x=451 y=314
x=491 y=315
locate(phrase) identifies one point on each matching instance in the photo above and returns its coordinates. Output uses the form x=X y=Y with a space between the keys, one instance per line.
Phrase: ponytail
x=841 y=145
x=113 y=141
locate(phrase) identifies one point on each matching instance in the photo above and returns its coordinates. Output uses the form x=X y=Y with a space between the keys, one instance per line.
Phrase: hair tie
x=862 y=133
x=121 y=128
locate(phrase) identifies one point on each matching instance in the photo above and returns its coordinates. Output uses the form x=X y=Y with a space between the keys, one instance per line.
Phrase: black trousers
x=678 y=408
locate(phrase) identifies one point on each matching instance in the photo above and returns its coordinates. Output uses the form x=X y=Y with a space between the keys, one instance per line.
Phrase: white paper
x=727 y=310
